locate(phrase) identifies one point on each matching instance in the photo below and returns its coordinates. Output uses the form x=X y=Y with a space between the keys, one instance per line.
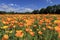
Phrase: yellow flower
x=30 y=30
x=10 y=31
x=37 y=29
x=4 y=27
x=18 y=30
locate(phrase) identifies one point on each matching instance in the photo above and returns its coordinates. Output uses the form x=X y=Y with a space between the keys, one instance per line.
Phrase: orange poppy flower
x=47 y=20
x=44 y=28
x=49 y=27
x=31 y=33
x=27 y=29
x=8 y=19
x=57 y=21
x=57 y=29
x=5 y=37
x=4 y=22
x=39 y=32
x=19 y=33
x=21 y=24
x=28 y=23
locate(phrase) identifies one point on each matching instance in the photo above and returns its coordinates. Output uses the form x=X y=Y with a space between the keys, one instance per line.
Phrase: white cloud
x=49 y=1
x=11 y=4
x=13 y=7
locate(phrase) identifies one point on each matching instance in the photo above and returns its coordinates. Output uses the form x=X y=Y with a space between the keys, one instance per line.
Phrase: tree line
x=55 y=9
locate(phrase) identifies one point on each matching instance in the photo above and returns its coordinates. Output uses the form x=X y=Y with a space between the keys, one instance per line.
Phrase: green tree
x=35 y=12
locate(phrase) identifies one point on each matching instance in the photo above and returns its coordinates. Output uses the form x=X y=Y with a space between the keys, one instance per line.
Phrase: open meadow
x=29 y=27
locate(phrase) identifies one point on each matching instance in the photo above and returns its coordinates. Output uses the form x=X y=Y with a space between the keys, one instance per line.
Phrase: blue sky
x=25 y=5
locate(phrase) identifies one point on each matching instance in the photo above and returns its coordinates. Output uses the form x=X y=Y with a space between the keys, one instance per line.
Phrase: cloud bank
x=14 y=7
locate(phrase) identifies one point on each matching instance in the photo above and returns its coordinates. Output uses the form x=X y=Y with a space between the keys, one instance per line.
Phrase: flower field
x=29 y=27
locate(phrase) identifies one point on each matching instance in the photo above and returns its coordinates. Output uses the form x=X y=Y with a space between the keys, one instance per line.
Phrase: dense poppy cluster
x=29 y=27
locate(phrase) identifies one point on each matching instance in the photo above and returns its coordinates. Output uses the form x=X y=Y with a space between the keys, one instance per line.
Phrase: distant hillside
x=55 y=9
